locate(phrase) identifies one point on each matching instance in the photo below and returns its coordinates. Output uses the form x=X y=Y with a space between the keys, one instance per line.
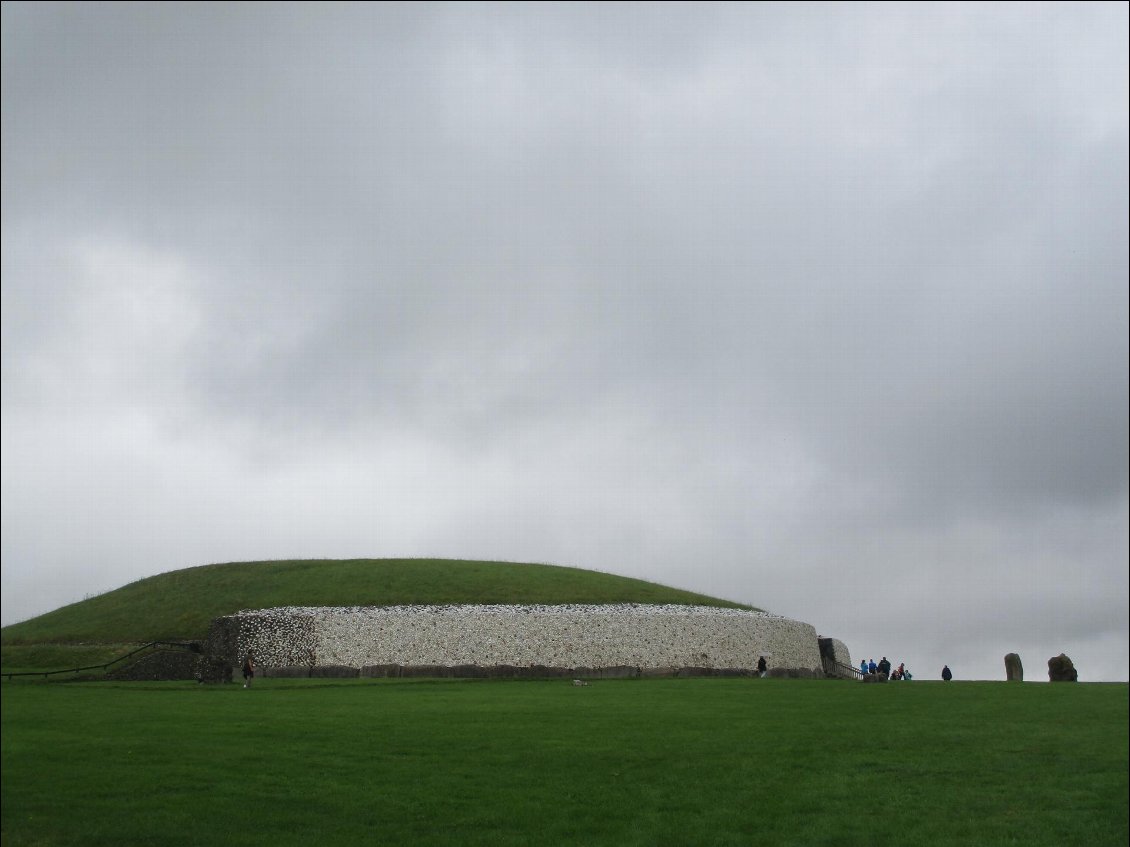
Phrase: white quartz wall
x=570 y=636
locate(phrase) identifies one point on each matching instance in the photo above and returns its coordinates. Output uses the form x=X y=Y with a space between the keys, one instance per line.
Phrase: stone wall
x=444 y=638
x=837 y=659
x=160 y=665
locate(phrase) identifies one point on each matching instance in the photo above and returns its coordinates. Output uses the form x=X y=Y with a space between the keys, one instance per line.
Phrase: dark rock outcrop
x=1061 y=669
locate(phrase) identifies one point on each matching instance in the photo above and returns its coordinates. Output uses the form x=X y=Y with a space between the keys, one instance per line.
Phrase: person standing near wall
x=248 y=670
x=762 y=667
x=947 y=674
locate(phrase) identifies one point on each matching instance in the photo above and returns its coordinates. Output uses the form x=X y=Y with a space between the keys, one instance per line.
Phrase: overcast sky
x=821 y=308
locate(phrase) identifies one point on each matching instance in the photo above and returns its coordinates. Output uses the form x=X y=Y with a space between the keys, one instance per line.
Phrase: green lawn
x=647 y=762
x=180 y=605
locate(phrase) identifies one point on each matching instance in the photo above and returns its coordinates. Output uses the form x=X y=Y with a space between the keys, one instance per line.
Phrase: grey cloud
x=777 y=285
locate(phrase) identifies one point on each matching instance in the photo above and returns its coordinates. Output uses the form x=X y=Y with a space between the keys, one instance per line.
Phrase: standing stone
x=1013 y=670
x=1060 y=669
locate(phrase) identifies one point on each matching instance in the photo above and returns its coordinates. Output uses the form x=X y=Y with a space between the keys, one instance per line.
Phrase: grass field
x=634 y=762
x=181 y=604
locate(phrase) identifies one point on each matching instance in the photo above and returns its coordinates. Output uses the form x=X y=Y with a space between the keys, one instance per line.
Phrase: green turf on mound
x=181 y=604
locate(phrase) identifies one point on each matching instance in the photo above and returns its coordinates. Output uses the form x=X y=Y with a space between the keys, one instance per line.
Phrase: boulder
x=1060 y=669
x=213 y=670
x=542 y=672
x=334 y=672
x=1013 y=669
x=286 y=672
x=381 y=671
x=619 y=672
x=161 y=665
x=695 y=670
x=470 y=672
x=732 y=672
x=424 y=671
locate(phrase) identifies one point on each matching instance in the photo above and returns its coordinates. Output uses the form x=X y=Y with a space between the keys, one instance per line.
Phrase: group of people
x=865 y=667
x=883 y=666
x=870 y=666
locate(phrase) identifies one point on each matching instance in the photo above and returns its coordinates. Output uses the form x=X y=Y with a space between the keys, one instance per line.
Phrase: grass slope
x=181 y=604
x=657 y=762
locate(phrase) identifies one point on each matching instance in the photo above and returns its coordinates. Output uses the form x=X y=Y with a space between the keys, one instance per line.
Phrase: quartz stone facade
x=482 y=636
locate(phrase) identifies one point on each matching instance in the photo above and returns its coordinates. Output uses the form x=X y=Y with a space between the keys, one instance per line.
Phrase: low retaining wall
x=471 y=640
x=161 y=665
x=511 y=672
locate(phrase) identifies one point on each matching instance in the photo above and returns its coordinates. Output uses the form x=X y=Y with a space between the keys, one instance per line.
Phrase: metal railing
x=840 y=670
x=194 y=646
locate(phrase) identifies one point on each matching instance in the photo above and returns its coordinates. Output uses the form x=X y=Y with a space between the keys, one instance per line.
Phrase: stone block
x=1061 y=669
x=619 y=672
x=161 y=665
x=424 y=671
x=287 y=672
x=695 y=671
x=213 y=670
x=380 y=671
x=1013 y=669
x=334 y=672
x=469 y=672
x=732 y=672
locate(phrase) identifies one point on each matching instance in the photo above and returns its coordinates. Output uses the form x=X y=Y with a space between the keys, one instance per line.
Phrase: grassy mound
x=181 y=604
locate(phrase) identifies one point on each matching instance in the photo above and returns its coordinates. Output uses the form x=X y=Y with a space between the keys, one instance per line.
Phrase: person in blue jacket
x=947 y=674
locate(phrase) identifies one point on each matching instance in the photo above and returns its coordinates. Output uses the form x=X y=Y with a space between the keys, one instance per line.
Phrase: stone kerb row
x=573 y=636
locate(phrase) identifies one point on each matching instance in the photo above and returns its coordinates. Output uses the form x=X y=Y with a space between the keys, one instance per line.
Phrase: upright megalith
x=1061 y=669
x=1013 y=669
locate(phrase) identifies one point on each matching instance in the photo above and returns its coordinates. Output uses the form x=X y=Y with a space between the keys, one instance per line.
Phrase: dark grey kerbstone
x=1013 y=669
x=380 y=671
x=695 y=671
x=1061 y=669
x=287 y=672
x=619 y=672
x=334 y=672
